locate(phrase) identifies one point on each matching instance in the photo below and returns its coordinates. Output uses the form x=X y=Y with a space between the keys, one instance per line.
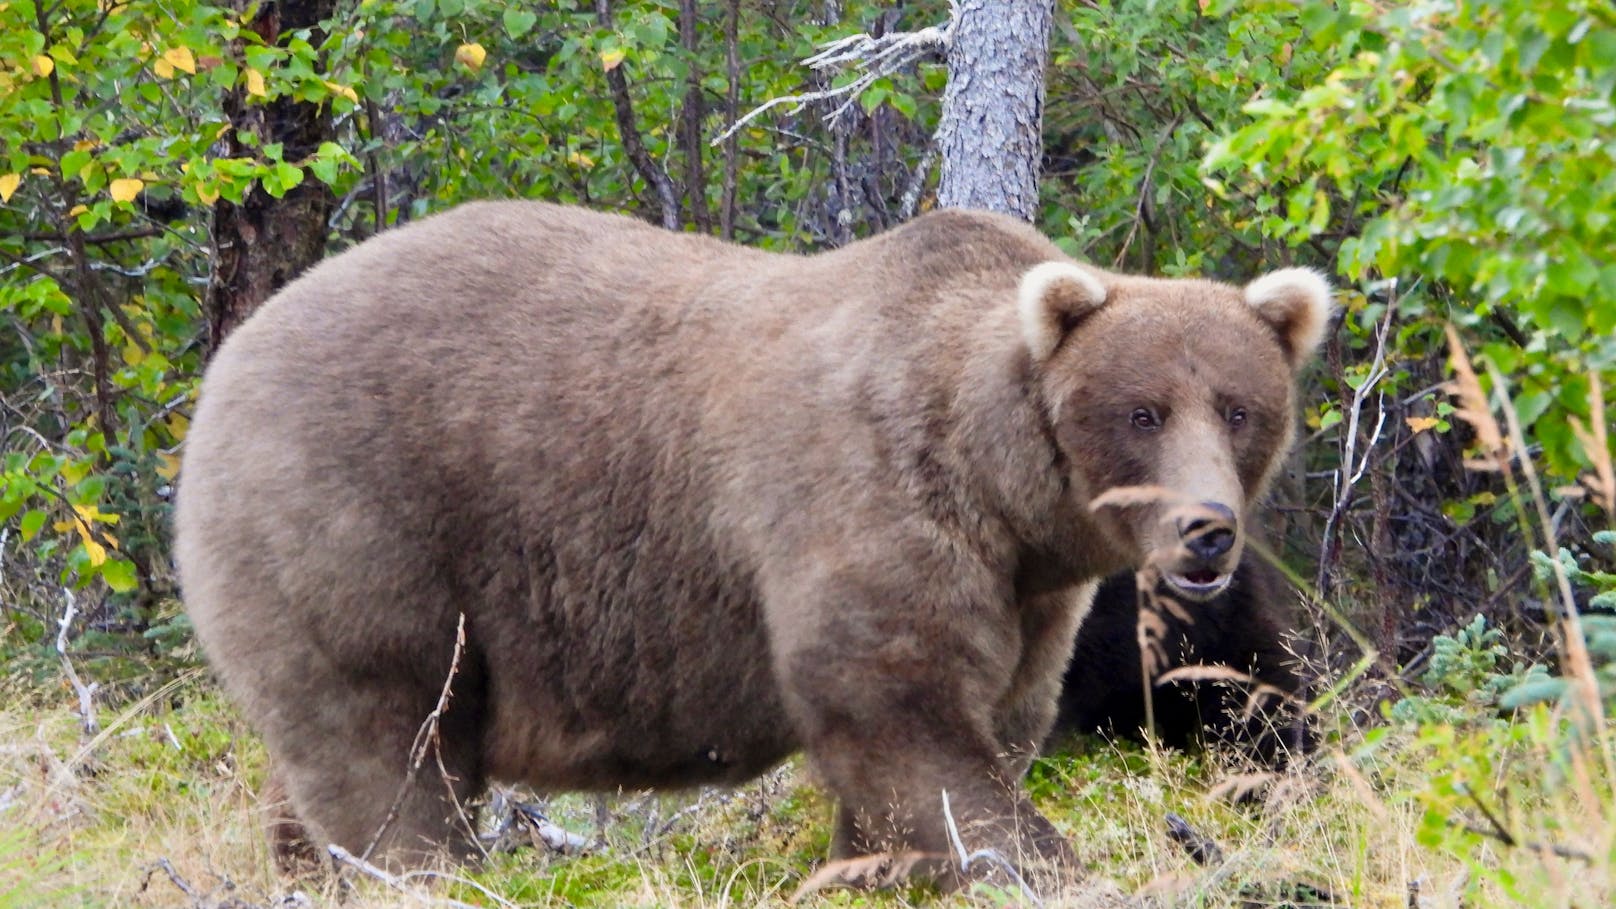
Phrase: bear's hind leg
x=289 y=841
x=367 y=770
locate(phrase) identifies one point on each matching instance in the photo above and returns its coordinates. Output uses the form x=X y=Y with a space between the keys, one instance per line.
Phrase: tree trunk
x=991 y=134
x=264 y=242
x=691 y=114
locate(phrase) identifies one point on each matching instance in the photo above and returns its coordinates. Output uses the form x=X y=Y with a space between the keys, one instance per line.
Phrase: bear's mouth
x=1200 y=584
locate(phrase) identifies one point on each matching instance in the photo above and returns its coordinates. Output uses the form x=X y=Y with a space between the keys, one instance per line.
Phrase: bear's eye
x=1145 y=418
x=1236 y=417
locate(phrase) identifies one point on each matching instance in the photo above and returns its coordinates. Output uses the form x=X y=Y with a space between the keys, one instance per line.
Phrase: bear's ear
x=1054 y=297
x=1296 y=303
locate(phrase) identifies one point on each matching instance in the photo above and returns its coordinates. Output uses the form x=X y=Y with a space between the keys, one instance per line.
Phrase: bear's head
x=1171 y=402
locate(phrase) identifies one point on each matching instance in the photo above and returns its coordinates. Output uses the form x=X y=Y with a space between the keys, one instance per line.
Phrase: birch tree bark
x=990 y=137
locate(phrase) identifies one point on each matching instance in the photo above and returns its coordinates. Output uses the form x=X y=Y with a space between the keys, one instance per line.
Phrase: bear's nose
x=1209 y=532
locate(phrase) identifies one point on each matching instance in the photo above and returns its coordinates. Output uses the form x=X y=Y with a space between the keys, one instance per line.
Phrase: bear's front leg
x=1026 y=714
x=894 y=690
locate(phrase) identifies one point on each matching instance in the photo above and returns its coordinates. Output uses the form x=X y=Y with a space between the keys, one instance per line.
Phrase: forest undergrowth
x=1447 y=802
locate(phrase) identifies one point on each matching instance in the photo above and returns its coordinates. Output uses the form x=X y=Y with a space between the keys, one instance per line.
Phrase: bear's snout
x=1209 y=531
x=1205 y=547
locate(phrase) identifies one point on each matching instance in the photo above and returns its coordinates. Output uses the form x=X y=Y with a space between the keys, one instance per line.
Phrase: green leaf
x=120 y=575
x=518 y=22
x=31 y=523
x=1533 y=692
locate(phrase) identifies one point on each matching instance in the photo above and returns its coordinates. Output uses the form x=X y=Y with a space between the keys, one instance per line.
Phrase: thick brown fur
x=1245 y=628
x=700 y=506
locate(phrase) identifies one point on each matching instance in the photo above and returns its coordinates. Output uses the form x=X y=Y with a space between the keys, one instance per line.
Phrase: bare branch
x=990 y=856
x=401 y=882
x=1349 y=473
x=633 y=145
x=1201 y=849
x=548 y=832
x=917 y=183
x=426 y=739
x=873 y=58
x=87 y=721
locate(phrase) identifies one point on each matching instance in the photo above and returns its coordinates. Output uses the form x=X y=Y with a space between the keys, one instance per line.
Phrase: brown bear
x=1244 y=628
x=700 y=506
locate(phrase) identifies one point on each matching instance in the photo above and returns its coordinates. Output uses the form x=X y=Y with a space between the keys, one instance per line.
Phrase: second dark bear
x=1243 y=628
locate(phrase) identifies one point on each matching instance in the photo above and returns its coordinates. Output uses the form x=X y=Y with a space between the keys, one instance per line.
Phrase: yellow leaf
x=43 y=65
x=178 y=426
x=471 y=55
x=581 y=160
x=255 y=84
x=169 y=465
x=125 y=189
x=163 y=68
x=610 y=60
x=337 y=88
x=207 y=193
x=42 y=171
x=1421 y=424
x=89 y=513
x=85 y=144
x=96 y=551
x=8 y=185
x=133 y=355
x=180 y=58
x=77 y=210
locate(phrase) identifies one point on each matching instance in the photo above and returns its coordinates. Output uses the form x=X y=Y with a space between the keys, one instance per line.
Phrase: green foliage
x=1469 y=675
x=1466 y=661
x=1137 y=92
x=102 y=112
x=505 y=101
x=1470 y=140
x=1520 y=786
x=1597 y=627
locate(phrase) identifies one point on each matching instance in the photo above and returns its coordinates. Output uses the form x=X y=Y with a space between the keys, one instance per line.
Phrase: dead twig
x=174 y=877
x=1495 y=830
x=86 y=693
x=910 y=200
x=402 y=883
x=427 y=738
x=989 y=856
x=1201 y=849
x=1352 y=466
x=547 y=831
x=872 y=57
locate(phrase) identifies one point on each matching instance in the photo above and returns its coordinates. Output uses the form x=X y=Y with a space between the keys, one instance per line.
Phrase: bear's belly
x=710 y=766
x=736 y=735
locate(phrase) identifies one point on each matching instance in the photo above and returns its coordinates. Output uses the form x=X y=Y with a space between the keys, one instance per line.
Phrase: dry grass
x=161 y=812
